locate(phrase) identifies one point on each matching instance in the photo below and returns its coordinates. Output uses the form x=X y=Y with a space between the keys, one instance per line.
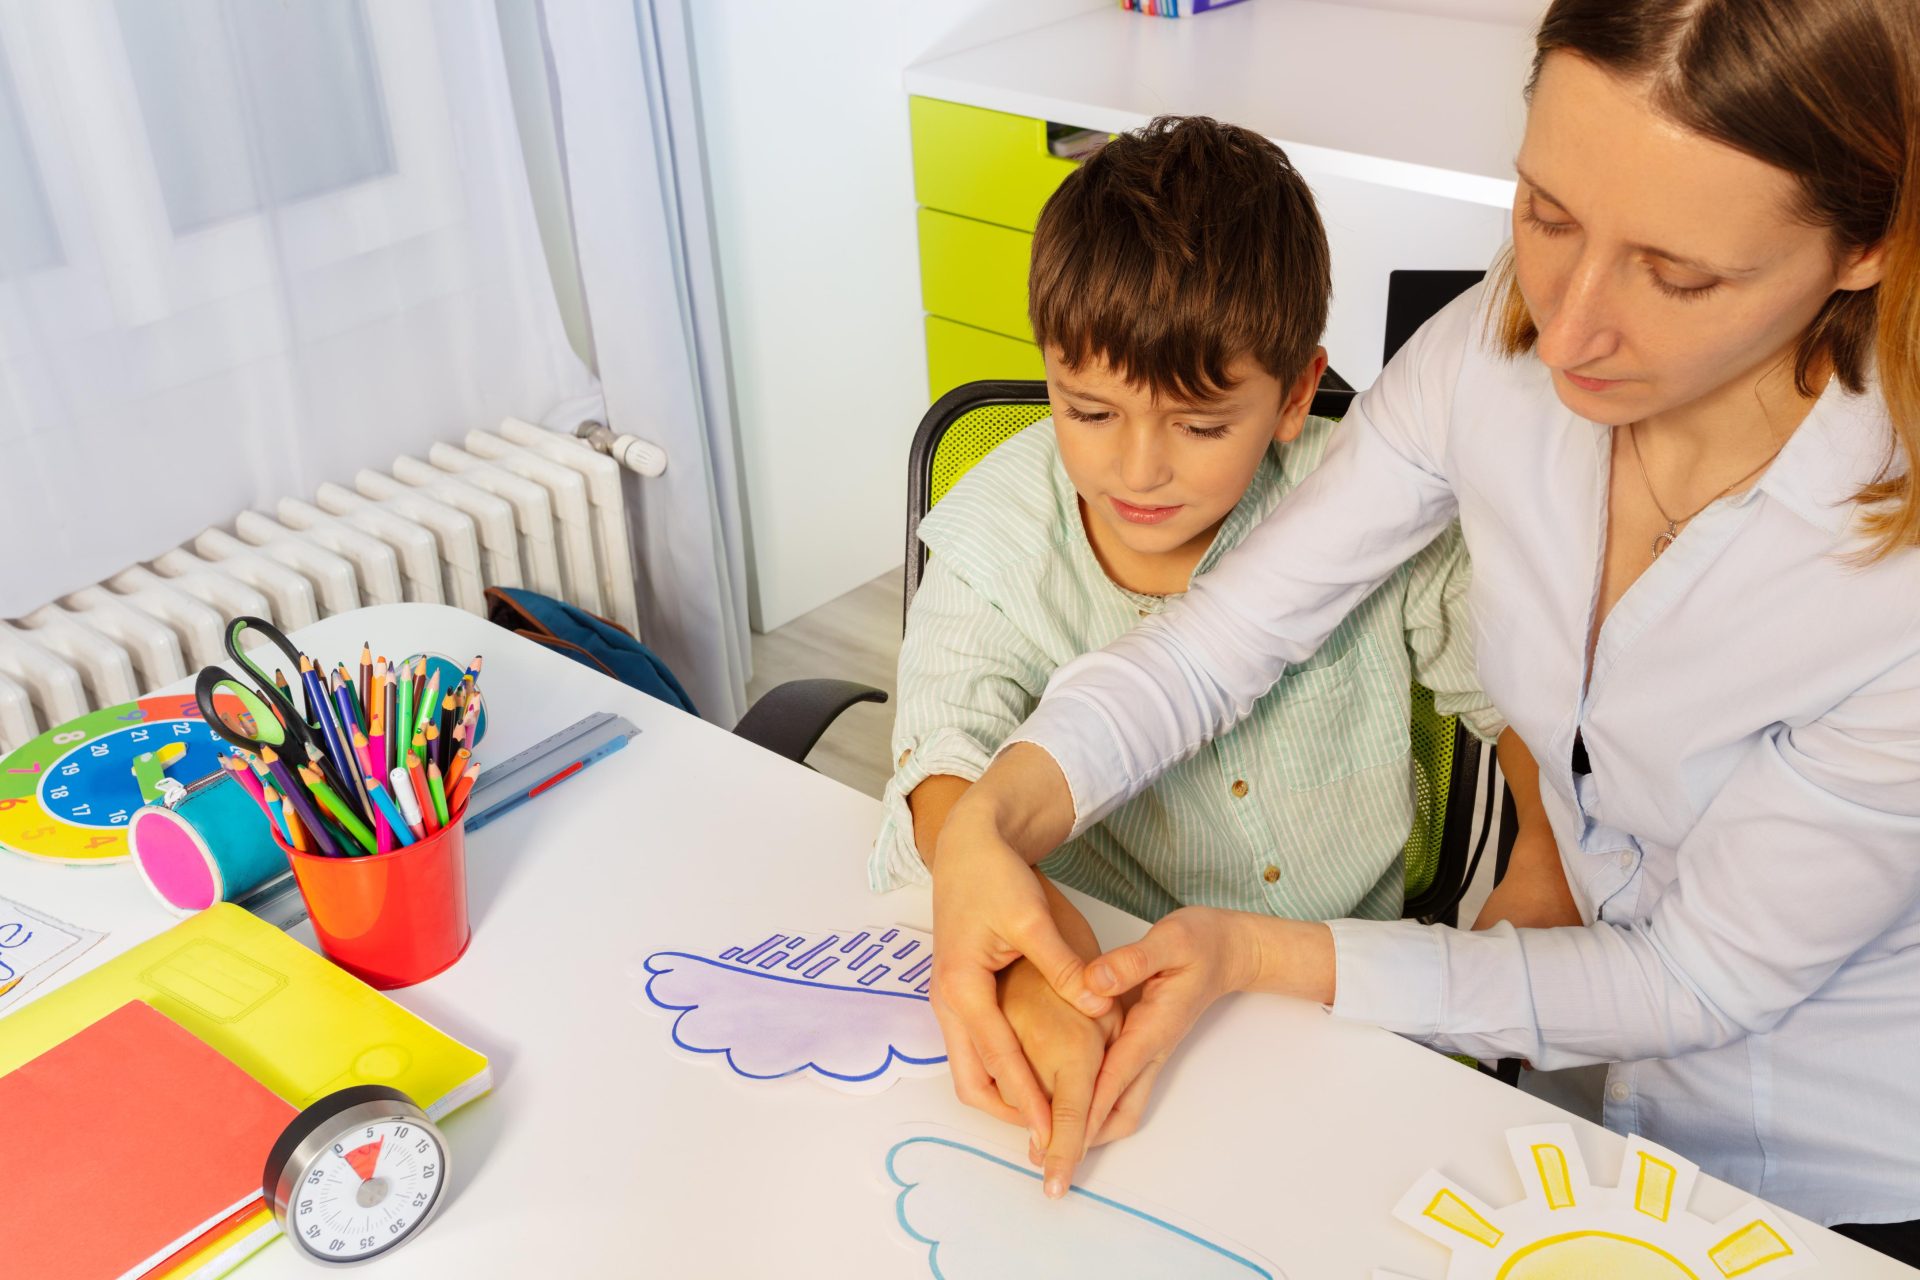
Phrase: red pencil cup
x=390 y=919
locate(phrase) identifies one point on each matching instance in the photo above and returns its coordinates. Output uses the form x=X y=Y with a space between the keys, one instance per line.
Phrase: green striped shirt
x=1300 y=810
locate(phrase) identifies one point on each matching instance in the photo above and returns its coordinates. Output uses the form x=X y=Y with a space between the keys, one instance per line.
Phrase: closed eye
x=1080 y=415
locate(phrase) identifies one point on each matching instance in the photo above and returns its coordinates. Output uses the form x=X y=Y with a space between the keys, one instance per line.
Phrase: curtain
x=629 y=140
x=247 y=246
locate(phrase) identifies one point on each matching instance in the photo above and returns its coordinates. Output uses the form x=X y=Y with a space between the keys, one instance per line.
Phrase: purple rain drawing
x=847 y=1007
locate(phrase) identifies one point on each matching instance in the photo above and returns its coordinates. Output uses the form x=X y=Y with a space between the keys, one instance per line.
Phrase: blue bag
x=587 y=639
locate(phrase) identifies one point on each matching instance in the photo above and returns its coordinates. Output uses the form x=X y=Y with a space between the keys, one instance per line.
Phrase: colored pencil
x=302 y=803
x=460 y=761
x=429 y=702
x=244 y=776
x=417 y=779
x=438 y=790
x=342 y=811
x=275 y=806
x=403 y=729
x=457 y=802
x=396 y=741
x=296 y=834
x=366 y=682
x=396 y=821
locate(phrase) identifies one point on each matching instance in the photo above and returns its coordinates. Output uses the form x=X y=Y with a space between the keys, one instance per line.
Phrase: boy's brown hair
x=1176 y=250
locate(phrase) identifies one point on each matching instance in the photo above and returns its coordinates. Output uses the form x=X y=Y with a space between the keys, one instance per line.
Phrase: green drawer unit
x=975 y=272
x=958 y=353
x=982 y=164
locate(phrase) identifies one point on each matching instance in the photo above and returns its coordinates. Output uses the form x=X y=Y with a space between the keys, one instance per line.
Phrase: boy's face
x=1157 y=478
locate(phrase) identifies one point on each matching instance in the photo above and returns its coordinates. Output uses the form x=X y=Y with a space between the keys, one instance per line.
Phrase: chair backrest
x=973 y=419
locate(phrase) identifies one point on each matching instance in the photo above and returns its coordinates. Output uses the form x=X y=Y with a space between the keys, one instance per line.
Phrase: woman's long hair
x=1829 y=92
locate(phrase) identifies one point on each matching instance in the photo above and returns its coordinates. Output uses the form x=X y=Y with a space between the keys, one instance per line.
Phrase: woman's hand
x=1065 y=1049
x=990 y=908
x=1187 y=961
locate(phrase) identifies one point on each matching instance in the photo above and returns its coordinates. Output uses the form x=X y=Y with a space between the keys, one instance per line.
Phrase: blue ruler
x=504 y=787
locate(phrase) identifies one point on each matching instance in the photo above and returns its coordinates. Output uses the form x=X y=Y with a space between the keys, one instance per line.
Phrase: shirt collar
x=1841 y=447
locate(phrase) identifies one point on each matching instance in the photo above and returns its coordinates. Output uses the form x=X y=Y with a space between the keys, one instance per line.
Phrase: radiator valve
x=631 y=452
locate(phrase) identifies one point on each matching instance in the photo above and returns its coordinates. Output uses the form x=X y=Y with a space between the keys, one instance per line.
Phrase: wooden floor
x=856 y=637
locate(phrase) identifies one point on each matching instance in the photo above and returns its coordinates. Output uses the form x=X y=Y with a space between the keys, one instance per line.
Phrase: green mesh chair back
x=972 y=420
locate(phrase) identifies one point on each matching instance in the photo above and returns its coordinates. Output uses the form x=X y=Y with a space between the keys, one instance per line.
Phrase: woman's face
x=1663 y=269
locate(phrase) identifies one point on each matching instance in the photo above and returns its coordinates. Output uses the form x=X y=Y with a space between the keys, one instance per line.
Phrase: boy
x=1179 y=286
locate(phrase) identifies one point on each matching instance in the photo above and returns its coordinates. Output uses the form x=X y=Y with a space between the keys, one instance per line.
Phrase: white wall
x=1519 y=13
x=805 y=123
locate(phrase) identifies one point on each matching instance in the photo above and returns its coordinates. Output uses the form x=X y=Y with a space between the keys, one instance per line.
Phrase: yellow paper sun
x=1568 y=1229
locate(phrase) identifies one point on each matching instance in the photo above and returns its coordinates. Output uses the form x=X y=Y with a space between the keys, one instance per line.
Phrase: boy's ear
x=1299 y=397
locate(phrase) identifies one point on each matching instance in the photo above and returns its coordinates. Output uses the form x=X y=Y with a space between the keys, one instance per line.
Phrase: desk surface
x=601 y=1152
x=1409 y=100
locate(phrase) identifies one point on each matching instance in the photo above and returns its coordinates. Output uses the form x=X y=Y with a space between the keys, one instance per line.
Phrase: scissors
x=270 y=719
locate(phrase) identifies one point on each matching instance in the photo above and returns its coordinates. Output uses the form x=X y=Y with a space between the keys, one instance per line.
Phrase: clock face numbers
x=367 y=1190
x=67 y=795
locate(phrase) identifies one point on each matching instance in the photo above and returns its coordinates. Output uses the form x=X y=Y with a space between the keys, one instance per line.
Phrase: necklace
x=1664 y=539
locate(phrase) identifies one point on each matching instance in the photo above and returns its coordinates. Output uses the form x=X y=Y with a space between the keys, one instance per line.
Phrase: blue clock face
x=93 y=784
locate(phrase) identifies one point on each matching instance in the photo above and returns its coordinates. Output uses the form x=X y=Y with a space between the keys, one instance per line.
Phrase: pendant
x=1665 y=540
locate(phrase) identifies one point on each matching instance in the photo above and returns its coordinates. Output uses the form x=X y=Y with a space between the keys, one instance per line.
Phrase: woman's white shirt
x=1747 y=843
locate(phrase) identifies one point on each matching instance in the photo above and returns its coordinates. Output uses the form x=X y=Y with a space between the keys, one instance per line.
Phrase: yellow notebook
x=291 y=1019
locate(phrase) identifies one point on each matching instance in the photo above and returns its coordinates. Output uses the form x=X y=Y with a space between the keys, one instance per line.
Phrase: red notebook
x=123 y=1143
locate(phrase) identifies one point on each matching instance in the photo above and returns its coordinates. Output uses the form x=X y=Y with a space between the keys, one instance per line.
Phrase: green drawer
x=975 y=272
x=982 y=164
x=958 y=353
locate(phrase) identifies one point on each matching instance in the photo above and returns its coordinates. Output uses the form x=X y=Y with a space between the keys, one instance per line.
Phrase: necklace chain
x=1665 y=538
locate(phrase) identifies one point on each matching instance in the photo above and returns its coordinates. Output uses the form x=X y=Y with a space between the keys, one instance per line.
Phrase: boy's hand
x=1065 y=1048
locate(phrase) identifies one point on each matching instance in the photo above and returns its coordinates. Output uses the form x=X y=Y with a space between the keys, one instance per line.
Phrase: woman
x=1681 y=428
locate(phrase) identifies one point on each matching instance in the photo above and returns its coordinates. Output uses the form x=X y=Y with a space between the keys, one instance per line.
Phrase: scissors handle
x=269 y=728
x=274 y=636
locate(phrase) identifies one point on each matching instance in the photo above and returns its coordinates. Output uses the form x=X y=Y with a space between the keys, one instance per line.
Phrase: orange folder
x=125 y=1143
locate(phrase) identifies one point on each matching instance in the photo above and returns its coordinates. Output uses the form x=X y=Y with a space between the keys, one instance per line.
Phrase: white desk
x=601 y=1152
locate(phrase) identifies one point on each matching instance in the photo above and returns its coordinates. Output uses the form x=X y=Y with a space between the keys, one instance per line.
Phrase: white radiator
x=515 y=507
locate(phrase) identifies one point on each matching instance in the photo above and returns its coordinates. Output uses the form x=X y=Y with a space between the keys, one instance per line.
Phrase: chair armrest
x=789 y=718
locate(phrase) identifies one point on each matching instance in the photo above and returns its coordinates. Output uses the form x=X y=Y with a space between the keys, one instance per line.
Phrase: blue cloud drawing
x=849 y=1007
x=984 y=1218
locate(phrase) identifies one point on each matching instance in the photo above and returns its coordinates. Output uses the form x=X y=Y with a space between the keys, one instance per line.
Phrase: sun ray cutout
x=1566 y=1228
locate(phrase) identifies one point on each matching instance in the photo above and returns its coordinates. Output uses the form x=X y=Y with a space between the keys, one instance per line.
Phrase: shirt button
x=904 y=757
x=1271 y=874
x=1239 y=789
x=1143 y=613
x=1618 y=1091
x=1626 y=861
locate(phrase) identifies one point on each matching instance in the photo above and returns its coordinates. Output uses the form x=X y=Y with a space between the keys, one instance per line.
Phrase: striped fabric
x=1300 y=811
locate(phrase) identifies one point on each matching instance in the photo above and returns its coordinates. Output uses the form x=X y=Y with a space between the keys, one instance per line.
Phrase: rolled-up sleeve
x=1114 y=720
x=1440 y=634
x=1810 y=852
x=967 y=677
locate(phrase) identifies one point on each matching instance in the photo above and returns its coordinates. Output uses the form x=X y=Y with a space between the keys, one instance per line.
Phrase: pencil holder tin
x=390 y=919
x=209 y=844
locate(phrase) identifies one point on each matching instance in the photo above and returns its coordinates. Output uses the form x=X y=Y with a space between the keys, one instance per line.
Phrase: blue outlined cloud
x=848 y=1007
x=983 y=1217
